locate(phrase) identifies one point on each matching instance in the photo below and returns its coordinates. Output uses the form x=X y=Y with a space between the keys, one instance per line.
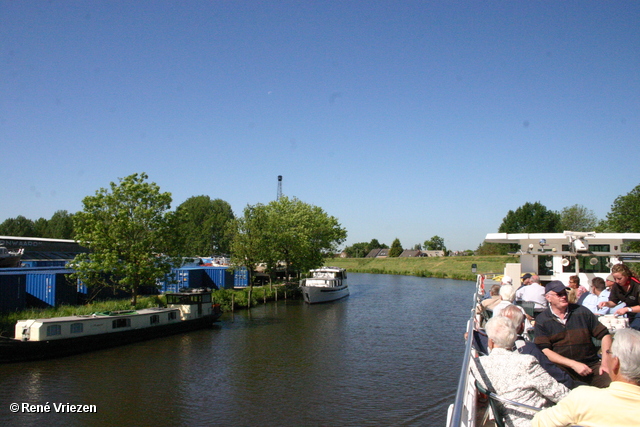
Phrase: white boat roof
x=591 y=236
x=114 y=315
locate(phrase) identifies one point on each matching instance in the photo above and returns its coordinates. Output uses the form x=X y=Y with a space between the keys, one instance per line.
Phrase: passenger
x=626 y=290
x=576 y=290
x=506 y=280
x=595 y=297
x=506 y=297
x=616 y=405
x=534 y=293
x=515 y=376
x=492 y=301
x=564 y=333
x=525 y=281
x=527 y=347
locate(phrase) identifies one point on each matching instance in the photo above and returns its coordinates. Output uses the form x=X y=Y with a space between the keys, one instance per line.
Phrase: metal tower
x=279 y=187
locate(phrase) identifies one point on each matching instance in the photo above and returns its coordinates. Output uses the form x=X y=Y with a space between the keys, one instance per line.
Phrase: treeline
x=623 y=217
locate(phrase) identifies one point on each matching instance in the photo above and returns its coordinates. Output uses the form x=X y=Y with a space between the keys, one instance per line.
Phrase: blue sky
x=403 y=119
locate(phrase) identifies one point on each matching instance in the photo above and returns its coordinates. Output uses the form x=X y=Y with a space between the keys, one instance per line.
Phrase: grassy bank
x=440 y=267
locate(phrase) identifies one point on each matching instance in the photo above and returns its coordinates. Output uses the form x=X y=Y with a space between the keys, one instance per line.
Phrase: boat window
x=600 y=248
x=594 y=264
x=121 y=323
x=545 y=265
x=173 y=315
x=154 y=319
x=53 y=330
x=571 y=267
x=77 y=328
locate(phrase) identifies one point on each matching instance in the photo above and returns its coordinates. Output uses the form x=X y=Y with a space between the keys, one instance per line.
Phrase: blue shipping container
x=241 y=277
x=51 y=289
x=220 y=277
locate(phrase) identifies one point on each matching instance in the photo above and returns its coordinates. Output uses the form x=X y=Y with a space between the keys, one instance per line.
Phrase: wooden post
x=233 y=295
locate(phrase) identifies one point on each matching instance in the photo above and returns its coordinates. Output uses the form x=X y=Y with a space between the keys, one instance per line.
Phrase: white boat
x=552 y=256
x=325 y=284
x=61 y=336
x=10 y=258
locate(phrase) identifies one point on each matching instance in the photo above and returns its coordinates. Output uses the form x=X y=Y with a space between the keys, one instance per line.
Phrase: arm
x=605 y=346
x=579 y=368
x=625 y=310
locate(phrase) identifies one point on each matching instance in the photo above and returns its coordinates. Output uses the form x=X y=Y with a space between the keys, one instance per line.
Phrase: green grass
x=440 y=267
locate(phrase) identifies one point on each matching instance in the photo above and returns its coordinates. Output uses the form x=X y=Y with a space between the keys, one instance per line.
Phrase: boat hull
x=320 y=294
x=10 y=261
x=13 y=350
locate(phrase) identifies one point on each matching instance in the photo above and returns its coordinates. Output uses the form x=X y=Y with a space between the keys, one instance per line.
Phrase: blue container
x=12 y=292
x=219 y=277
x=185 y=278
x=241 y=277
x=50 y=289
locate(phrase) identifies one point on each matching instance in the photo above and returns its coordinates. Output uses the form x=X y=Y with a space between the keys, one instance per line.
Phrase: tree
x=126 y=230
x=60 y=226
x=578 y=218
x=286 y=231
x=624 y=216
x=396 y=248
x=436 y=243
x=357 y=250
x=201 y=226
x=40 y=226
x=18 y=226
x=531 y=218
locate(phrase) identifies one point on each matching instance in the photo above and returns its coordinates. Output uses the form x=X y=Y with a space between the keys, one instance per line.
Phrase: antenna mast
x=279 y=187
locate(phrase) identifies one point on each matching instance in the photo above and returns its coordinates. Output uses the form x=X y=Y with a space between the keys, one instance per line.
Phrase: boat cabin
x=557 y=256
x=326 y=276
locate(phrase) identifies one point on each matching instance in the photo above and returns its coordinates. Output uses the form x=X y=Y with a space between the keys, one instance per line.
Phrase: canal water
x=387 y=355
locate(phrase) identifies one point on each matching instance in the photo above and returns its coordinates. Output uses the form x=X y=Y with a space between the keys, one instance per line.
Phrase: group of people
x=562 y=370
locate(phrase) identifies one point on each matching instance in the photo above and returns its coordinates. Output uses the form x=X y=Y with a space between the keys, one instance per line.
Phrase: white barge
x=61 y=336
x=325 y=284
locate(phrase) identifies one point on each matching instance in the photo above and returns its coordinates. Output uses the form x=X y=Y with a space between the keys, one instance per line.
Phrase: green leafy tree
x=301 y=235
x=396 y=248
x=126 y=230
x=60 y=226
x=40 y=226
x=18 y=226
x=436 y=243
x=358 y=250
x=624 y=216
x=202 y=226
x=374 y=244
x=286 y=231
x=531 y=218
x=578 y=218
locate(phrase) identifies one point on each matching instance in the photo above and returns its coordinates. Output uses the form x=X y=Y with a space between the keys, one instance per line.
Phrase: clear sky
x=403 y=119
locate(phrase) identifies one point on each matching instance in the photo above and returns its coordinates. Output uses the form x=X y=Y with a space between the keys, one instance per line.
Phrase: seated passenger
x=515 y=376
x=626 y=290
x=593 y=298
x=492 y=301
x=564 y=332
x=527 y=347
x=534 y=293
x=506 y=296
x=576 y=290
x=616 y=405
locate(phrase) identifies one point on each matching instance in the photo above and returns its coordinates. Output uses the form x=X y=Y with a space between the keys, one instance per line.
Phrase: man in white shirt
x=534 y=292
x=596 y=296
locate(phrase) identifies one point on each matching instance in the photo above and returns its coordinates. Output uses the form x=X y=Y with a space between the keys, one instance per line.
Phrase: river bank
x=457 y=267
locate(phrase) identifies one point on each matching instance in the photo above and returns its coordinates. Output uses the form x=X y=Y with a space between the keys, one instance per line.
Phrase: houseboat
x=325 y=284
x=62 y=336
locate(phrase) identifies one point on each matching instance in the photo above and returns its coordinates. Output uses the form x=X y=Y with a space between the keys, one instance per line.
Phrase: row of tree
x=360 y=250
x=624 y=217
x=134 y=237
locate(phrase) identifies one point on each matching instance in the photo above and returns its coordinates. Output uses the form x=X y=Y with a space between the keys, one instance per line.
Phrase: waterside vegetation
x=458 y=268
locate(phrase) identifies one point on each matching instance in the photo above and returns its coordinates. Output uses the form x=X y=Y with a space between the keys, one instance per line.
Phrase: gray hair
x=501 y=331
x=506 y=293
x=513 y=313
x=626 y=347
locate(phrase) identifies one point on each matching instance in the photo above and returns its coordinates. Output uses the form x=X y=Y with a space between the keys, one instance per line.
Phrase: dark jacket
x=574 y=339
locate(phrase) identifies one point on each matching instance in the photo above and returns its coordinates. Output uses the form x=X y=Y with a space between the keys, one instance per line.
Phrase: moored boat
x=10 y=258
x=62 y=336
x=325 y=284
x=552 y=256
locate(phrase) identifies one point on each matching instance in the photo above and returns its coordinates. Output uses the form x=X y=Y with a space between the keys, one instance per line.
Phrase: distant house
x=383 y=253
x=410 y=253
x=373 y=253
x=432 y=253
